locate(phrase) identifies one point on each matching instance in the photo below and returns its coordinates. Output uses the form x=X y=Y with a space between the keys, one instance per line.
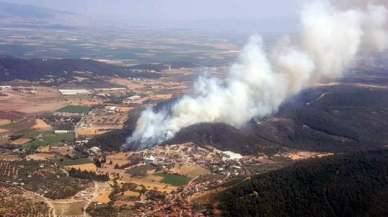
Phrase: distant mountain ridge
x=11 y=10
x=15 y=15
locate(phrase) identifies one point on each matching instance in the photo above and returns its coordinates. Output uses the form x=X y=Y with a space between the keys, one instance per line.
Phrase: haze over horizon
x=262 y=16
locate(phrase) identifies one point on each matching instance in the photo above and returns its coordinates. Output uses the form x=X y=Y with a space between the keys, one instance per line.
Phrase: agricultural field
x=42 y=177
x=9 y=190
x=49 y=138
x=41 y=156
x=21 y=206
x=41 y=125
x=9 y=125
x=69 y=209
x=75 y=109
x=191 y=171
x=70 y=162
x=175 y=180
x=4 y=122
x=34 y=145
x=21 y=141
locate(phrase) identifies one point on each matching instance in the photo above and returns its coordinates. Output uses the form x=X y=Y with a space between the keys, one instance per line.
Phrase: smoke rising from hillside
x=259 y=82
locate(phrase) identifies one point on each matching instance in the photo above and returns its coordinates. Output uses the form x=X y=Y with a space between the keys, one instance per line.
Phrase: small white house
x=149 y=159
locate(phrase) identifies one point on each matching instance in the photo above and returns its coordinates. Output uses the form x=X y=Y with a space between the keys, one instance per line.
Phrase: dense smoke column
x=259 y=82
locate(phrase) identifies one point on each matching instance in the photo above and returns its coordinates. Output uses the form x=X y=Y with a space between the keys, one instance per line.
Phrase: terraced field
x=44 y=178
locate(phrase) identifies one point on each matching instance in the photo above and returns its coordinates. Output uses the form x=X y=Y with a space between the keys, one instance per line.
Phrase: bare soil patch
x=103 y=197
x=84 y=167
x=20 y=142
x=41 y=156
x=41 y=125
x=4 y=121
x=190 y=171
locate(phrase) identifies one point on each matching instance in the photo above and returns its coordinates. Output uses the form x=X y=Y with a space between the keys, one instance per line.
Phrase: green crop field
x=75 y=109
x=57 y=138
x=70 y=162
x=174 y=179
x=8 y=126
x=34 y=145
x=49 y=138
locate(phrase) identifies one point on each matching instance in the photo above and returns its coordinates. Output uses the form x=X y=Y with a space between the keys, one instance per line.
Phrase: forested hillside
x=341 y=185
x=224 y=137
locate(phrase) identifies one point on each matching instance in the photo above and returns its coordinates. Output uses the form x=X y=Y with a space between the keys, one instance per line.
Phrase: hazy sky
x=174 y=9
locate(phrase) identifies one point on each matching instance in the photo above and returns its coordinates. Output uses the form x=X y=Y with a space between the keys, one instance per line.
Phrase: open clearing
x=41 y=156
x=131 y=193
x=190 y=171
x=69 y=209
x=301 y=155
x=103 y=197
x=84 y=167
x=149 y=184
x=174 y=179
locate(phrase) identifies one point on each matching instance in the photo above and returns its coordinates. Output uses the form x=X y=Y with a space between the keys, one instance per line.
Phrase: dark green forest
x=341 y=185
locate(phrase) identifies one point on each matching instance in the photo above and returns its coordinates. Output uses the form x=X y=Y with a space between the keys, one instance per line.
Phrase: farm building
x=73 y=92
x=231 y=156
x=5 y=87
x=63 y=131
x=130 y=100
x=110 y=89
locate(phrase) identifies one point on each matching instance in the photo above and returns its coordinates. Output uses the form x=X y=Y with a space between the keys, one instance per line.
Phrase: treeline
x=88 y=175
x=342 y=185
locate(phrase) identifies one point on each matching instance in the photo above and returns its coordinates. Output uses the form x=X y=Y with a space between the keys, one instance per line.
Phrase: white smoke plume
x=259 y=82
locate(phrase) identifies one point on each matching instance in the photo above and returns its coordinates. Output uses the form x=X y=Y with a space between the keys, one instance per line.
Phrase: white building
x=149 y=159
x=133 y=98
x=73 y=92
x=113 y=108
x=5 y=87
x=63 y=131
x=110 y=89
x=95 y=149
x=130 y=100
x=231 y=156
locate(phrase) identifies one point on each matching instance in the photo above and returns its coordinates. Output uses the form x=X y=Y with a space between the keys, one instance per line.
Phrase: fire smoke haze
x=257 y=84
